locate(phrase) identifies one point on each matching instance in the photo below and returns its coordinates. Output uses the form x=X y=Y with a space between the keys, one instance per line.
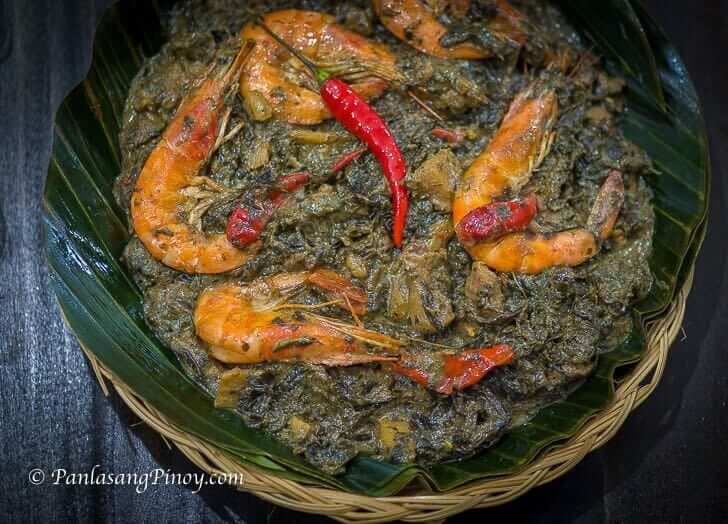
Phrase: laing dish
x=267 y=237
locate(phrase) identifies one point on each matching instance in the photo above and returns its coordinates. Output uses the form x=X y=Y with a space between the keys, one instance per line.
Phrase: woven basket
x=427 y=506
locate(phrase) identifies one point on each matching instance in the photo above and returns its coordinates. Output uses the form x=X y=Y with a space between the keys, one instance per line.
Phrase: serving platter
x=85 y=232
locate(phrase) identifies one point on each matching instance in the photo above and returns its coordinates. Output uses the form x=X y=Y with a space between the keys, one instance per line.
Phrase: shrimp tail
x=607 y=206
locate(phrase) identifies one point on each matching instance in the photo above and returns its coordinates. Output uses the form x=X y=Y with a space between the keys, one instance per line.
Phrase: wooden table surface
x=668 y=463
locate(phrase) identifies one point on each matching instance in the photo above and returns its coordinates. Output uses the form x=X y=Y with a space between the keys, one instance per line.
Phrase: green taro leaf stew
x=86 y=231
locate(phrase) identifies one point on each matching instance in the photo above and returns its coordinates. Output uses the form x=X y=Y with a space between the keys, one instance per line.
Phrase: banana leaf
x=86 y=232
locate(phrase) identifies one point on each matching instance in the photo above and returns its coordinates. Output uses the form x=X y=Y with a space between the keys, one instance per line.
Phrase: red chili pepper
x=347 y=159
x=459 y=371
x=497 y=219
x=447 y=134
x=469 y=367
x=292 y=181
x=360 y=119
x=412 y=373
x=245 y=225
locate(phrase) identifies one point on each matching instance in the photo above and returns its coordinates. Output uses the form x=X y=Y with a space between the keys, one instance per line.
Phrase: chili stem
x=319 y=74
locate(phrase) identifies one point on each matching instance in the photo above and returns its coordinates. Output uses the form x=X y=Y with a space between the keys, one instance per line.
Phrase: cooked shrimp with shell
x=393 y=229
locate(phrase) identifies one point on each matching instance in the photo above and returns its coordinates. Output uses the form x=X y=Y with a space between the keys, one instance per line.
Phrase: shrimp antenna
x=319 y=74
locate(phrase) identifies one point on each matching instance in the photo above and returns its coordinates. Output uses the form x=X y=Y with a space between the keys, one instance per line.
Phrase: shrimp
x=520 y=144
x=412 y=21
x=532 y=253
x=170 y=173
x=366 y=64
x=517 y=148
x=253 y=323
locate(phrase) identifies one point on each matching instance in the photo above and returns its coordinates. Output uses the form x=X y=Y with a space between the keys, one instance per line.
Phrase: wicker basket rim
x=348 y=507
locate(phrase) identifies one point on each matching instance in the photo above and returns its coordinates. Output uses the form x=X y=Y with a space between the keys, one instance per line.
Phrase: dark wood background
x=668 y=463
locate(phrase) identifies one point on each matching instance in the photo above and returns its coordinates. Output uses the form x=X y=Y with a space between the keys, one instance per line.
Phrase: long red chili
x=459 y=371
x=360 y=119
x=497 y=219
x=245 y=224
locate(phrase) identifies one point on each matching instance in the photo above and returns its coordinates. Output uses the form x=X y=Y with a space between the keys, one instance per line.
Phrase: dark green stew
x=430 y=295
